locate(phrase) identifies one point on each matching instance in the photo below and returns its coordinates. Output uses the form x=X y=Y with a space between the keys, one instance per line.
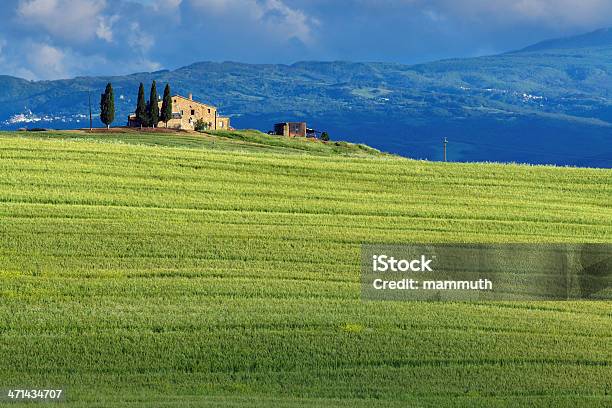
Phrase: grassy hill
x=169 y=270
x=238 y=140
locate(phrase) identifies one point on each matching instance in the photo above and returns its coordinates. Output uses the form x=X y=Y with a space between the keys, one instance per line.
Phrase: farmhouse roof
x=191 y=100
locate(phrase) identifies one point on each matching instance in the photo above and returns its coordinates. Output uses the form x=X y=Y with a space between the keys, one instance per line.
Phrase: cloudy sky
x=50 y=39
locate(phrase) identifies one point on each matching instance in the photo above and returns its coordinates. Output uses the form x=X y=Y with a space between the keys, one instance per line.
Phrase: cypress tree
x=141 y=107
x=166 y=110
x=153 y=106
x=107 y=106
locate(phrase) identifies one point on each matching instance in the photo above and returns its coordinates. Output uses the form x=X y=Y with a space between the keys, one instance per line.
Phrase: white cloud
x=549 y=12
x=575 y=13
x=286 y=19
x=44 y=61
x=137 y=39
x=223 y=6
x=143 y=64
x=72 y=20
x=272 y=16
x=47 y=61
x=45 y=39
x=2 y=59
x=65 y=38
x=164 y=5
x=104 y=31
x=8 y=65
x=434 y=16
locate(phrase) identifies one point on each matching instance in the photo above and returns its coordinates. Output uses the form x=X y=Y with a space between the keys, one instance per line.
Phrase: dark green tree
x=153 y=106
x=141 y=107
x=166 y=109
x=325 y=136
x=200 y=125
x=107 y=106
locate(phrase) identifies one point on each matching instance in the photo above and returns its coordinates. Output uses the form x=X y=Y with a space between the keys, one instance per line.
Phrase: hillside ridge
x=598 y=38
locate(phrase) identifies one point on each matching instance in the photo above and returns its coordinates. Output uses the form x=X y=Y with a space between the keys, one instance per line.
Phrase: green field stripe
x=247 y=190
x=310 y=206
x=72 y=213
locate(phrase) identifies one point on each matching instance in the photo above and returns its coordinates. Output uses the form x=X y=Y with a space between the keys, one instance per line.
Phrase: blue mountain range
x=549 y=103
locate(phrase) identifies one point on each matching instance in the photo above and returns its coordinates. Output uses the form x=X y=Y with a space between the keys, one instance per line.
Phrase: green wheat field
x=223 y=270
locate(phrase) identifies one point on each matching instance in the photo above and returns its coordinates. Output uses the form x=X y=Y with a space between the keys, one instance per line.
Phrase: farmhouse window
x=193 y=111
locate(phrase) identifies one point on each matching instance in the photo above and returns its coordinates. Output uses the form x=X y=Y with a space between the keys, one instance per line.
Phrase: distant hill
x=549 y=103
x=598 y=38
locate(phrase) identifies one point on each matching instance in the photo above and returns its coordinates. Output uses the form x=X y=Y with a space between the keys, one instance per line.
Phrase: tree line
x=148 y=113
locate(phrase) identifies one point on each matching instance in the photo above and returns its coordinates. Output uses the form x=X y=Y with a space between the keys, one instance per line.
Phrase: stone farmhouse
x=186 y=112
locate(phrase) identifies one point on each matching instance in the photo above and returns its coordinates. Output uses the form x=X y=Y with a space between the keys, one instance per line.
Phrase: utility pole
x=445 y=142
x=90 y=115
